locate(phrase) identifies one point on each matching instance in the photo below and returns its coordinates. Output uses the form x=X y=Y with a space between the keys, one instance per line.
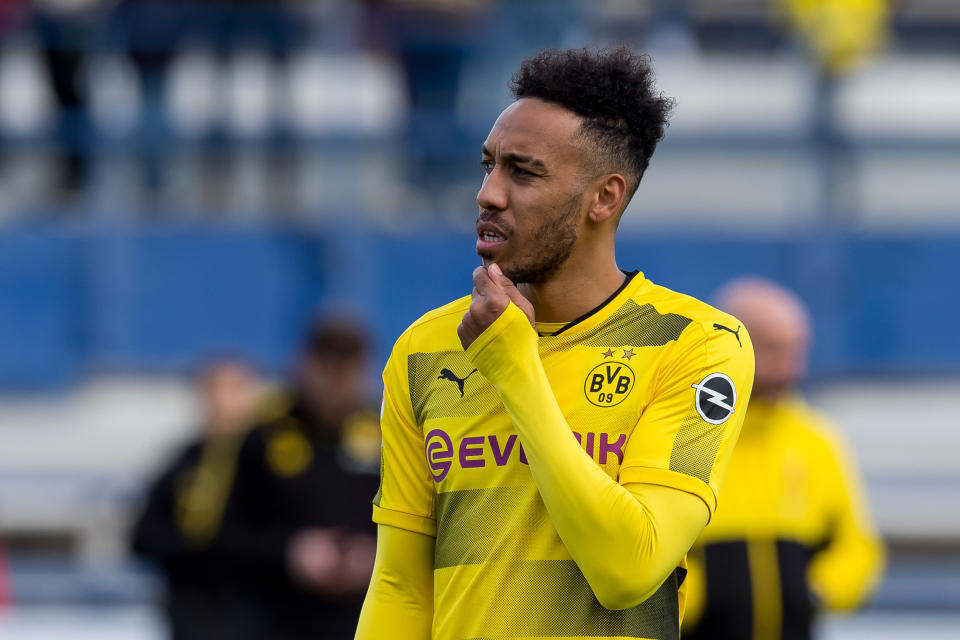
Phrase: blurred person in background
x=297 y=530
x=67 y=31
x=841 y=34
x=150 y=31
x=186 y=502
x=432 y=40
x=794 y=534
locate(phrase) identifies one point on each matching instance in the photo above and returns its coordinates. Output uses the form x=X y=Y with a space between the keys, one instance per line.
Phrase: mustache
x=494 y=218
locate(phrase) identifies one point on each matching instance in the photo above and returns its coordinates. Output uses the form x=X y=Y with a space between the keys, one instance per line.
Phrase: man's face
x=531 y=202
x=334 y=386
x=229 y=394
x=781 y=344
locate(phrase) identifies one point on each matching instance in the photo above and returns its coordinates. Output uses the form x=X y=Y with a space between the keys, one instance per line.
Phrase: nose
x=493 y=193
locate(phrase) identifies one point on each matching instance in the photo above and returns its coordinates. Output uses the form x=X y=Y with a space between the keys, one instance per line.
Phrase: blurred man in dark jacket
x=272 y=539
x=297 y=525
x=185 y=506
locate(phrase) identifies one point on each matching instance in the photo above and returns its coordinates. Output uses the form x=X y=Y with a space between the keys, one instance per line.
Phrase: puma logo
x=736 y=333
x=446 y=374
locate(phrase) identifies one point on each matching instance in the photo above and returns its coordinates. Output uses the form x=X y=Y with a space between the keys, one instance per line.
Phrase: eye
x=522 y=172
x=486 y=165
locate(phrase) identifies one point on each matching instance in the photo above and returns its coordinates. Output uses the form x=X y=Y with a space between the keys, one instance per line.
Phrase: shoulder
x=696 y=311
x=813 y=428
x=187 y=457
x=435 y=330
x=700 y=324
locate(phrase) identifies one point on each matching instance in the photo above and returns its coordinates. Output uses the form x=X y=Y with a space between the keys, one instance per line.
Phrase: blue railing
x=163 y=298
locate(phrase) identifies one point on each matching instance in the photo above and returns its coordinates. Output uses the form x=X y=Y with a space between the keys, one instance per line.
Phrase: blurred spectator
x=432 y=40
x=150 y=31
x=840 y=33
x=297 y=528
x=794 y=534
x=186 y=503
x=67 y=29
x=153 y=31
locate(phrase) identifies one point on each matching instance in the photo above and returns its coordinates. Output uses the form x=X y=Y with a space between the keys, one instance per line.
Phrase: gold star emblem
x=628 y=353
x=608 y=353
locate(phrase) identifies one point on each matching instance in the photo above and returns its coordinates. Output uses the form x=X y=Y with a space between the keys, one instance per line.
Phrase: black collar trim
x=630 y=276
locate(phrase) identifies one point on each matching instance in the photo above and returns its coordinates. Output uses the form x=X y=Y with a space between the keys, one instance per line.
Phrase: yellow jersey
x=653 y=385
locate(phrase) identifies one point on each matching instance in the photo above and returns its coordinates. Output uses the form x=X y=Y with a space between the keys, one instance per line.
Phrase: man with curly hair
x=555 y=442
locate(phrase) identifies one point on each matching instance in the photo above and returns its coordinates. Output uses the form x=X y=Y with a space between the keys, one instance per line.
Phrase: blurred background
x=183 y=179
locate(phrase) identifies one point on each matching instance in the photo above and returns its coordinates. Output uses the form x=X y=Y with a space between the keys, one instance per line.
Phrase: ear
x=609 y=193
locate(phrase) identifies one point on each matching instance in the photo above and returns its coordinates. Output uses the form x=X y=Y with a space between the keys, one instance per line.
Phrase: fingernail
x=495 y=269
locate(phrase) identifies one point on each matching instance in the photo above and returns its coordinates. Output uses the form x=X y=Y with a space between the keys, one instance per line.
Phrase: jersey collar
x=599 y=313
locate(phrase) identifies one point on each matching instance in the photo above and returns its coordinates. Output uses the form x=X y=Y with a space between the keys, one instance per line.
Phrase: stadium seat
x=737 y=96
x=26 y=101
x=115 y=98
x=193 y=94
x=345 y=94
x=251 y=93
x=903 y=97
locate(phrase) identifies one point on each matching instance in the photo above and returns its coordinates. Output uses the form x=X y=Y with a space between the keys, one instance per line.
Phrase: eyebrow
x=517 y=158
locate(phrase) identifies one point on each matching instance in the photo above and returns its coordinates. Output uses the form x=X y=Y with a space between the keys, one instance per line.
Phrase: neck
x=766 y=395
x=222 y=427
x=757 y=422
x=575 y=289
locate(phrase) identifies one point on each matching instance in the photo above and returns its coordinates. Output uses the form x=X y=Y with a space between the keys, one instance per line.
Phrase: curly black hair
x=613 y=92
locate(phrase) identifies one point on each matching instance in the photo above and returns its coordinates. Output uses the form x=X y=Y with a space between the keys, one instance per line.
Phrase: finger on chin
x=482 y=281
x=497 y=275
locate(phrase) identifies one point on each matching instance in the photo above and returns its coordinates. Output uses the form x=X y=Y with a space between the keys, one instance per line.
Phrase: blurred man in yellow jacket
x=794 y=534
x=841 y=34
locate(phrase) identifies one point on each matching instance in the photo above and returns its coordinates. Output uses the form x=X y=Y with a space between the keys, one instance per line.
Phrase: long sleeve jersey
x=516 y=456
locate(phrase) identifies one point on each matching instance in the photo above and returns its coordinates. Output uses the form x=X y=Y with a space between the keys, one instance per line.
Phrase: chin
x=488 y=258
x=770 y=394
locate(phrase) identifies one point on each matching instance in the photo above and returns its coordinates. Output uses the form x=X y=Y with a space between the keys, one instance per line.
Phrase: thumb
x=505 y=283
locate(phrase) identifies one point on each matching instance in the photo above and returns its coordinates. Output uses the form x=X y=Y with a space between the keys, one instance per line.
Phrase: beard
x=550 y=247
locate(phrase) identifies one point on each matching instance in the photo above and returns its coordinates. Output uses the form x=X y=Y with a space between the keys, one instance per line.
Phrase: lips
x=489 y=237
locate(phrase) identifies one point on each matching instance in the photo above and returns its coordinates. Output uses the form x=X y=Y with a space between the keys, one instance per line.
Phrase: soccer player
x=554 y=443
x=794 y=533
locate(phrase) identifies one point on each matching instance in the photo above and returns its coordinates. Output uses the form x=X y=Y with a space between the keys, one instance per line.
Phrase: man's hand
x=331 y=561
x=313 y=558
x=359 y=550
x=492 y=293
